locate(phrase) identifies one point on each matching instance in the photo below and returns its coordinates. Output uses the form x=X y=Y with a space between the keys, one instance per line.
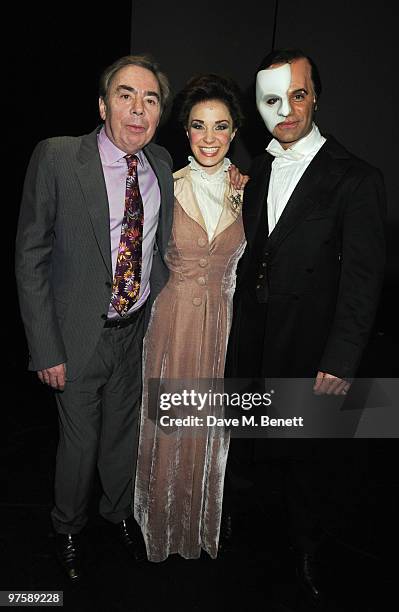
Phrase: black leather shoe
x=307 y=575
x=226 y=533
x=68 y=554
x=131 y=537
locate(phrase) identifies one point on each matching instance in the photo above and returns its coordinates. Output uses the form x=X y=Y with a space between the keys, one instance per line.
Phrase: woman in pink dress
x=180 y=469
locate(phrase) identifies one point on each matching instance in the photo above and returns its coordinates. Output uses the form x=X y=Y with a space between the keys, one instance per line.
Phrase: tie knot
x=131 y=161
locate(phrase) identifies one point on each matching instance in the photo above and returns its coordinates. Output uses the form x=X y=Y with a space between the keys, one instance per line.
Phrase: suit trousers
x=98 y=421
x=299 y=463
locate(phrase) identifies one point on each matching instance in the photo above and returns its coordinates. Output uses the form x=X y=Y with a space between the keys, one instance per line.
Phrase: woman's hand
x=237 y=180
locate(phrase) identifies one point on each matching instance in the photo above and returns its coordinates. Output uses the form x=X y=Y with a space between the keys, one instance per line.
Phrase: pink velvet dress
x=180 y=473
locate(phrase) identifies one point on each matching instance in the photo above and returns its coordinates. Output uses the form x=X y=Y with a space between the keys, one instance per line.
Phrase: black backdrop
x=54 y=59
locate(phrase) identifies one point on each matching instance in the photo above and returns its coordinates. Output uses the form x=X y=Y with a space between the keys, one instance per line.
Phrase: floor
x=356 y=556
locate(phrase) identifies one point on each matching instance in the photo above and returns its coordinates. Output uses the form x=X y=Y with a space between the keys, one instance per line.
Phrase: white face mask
x=272 y=95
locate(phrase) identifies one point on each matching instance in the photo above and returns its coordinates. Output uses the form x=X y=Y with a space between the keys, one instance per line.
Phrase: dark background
x=53 y=61
x=56 y=57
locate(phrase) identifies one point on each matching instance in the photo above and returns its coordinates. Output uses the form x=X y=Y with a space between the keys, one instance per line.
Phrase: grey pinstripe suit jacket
x=63 y=252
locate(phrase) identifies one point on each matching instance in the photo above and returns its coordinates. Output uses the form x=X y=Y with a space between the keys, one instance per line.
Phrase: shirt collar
x=217 y=176
x=110 y=154
x=305 y=146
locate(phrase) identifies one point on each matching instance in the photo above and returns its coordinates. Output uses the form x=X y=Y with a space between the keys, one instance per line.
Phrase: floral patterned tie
x=126 y=285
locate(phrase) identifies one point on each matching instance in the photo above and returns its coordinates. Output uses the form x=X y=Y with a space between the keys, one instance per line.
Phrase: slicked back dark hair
x=283 y=56
x=203 y=87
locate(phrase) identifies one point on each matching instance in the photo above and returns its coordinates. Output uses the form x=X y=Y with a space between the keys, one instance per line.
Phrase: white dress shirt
x=287 y=169
x=209 y=190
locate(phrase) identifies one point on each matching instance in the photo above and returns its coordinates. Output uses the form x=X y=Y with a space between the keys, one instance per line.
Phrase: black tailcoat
x=307 y=294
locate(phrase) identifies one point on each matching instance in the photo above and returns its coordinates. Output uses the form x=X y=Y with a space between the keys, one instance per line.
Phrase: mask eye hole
x=271 y=101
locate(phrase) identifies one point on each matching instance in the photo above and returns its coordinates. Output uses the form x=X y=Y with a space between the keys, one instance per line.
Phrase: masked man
x=309 y=282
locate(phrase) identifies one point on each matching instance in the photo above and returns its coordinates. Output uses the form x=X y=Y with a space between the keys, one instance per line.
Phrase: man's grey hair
x=144 y=61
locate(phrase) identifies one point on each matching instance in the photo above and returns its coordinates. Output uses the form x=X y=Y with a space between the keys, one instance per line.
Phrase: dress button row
x=197 y=301
x=201 y=280
x=202 y=242
x=203 y=262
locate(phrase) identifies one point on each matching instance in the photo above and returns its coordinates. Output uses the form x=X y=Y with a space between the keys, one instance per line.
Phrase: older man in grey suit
x=95 y=221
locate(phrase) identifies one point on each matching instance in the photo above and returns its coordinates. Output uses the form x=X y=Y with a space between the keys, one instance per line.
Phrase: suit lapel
x=254 y=210
x=318 y=179
x=90 y=173
x=164 y=176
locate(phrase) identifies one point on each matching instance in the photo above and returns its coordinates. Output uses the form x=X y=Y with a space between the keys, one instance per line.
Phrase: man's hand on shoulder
x=330 y=385
x=237 y=180
x=55 y=376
